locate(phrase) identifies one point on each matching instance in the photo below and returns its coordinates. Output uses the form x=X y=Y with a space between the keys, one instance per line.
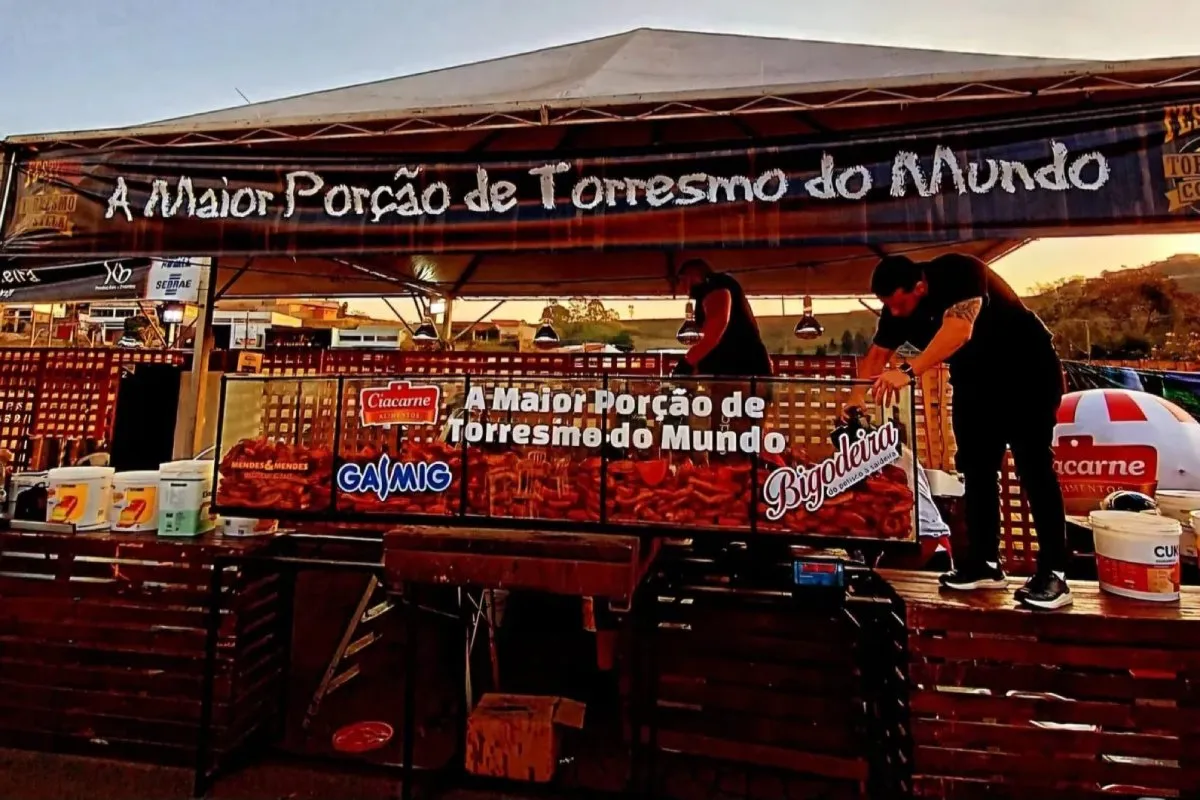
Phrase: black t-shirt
x=1006 y=333
x=741 y=350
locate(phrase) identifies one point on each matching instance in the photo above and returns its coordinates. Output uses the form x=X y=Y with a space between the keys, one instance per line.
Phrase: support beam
x=229 y=283
x=467 y=273
x=395 y=311
x=482 y=317
x=189 y=418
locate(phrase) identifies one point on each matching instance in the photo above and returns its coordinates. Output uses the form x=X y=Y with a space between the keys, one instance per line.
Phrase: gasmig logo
x=1181 y=156
x=385 y=477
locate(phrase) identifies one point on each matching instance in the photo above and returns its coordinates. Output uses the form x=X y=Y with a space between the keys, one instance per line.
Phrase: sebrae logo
x=1181 y=157
x=1089 y=472
x=400 y=403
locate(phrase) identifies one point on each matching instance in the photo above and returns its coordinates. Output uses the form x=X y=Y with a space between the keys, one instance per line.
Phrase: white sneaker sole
x=1061 y=601
x=984 y=583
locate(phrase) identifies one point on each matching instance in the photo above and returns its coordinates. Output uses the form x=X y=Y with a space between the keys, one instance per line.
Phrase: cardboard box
x=518 y=736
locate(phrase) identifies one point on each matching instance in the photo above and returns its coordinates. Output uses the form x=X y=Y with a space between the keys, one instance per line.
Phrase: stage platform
x=1098 y=700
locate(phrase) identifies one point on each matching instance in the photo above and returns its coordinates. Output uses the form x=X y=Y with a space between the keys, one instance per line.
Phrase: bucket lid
x=80 y=473
x=1178 y=496
x=137 y=476
x=186 y=469
x=1135 y=522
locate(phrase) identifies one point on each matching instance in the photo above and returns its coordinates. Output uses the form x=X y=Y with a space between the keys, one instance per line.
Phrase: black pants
x=1017 y=412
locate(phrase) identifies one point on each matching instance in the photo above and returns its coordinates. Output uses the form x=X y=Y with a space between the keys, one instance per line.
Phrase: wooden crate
x=1007 y=702
x=760 y=695
x=102 y=645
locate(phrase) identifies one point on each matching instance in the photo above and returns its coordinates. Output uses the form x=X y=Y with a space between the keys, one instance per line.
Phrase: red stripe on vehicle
x=1066 y=409
x=1122 y=407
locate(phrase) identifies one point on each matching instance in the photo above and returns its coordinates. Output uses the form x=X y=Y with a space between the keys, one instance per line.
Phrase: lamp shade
x=426 y=335
x=808 y=327
x=546 y=337
x=689 y=332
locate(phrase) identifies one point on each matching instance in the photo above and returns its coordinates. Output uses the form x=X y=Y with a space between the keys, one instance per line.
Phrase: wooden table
x=1008 y=702
x=576 y=564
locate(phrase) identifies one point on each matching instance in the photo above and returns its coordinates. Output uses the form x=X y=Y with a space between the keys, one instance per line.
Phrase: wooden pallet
x=1007 y=702
x=102 y=643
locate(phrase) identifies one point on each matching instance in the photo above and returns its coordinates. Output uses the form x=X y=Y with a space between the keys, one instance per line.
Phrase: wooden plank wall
x=1097 y=701
x=762 y=698
x=102 y=642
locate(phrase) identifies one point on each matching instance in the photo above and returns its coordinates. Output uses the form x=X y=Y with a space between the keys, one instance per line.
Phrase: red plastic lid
x=361 y=737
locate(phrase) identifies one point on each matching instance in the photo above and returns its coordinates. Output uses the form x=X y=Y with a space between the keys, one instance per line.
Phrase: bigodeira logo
x=385 y=477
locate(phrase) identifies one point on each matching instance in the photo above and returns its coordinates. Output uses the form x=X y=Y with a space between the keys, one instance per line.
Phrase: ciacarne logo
x=400 y=403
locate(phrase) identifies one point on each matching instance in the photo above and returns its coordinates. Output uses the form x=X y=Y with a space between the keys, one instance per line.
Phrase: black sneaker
x=1046 y=592
x=968 y=578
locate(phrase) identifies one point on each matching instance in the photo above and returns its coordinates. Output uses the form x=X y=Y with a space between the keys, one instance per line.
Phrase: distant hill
x=1183 y=268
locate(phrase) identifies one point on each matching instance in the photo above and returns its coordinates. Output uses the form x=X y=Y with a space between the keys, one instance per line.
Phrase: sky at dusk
x=74 y=64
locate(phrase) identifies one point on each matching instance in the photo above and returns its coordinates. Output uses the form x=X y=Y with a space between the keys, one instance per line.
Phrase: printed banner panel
x=616 y=452
x=1003 y=179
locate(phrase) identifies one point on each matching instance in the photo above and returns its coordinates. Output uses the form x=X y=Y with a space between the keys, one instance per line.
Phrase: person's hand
x=683 y=369
x=888 y=386
x=857 y=399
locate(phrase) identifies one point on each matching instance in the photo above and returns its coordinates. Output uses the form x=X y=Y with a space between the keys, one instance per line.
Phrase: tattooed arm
x=957 y=325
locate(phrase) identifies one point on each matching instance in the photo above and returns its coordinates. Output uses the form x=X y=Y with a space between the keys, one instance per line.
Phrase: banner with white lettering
x=608 y=453
x=1006 y=178
x=28 y=281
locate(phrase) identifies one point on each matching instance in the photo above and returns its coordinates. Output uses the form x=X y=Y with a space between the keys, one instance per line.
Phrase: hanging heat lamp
x=808 y=327
x=546 y=337
x=689 y=332
x=426 y=335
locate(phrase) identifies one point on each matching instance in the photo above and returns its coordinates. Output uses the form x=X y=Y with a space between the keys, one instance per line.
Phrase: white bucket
x=135 y=501
x=185 y=498
x=79 y=496
x=1179 y=504
x=245 y=526
x=1137 y=555
x=21 y=482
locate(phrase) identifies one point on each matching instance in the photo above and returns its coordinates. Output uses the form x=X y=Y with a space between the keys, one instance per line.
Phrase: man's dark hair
x=895 y=272
x=697 y=264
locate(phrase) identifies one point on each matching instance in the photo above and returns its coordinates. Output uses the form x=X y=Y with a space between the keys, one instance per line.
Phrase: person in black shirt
x=1007 y=383
x=730 y=344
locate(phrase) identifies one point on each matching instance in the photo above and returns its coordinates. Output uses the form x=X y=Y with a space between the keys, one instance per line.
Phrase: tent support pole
x=189 y=419
x=10 y=172
x=448 y=320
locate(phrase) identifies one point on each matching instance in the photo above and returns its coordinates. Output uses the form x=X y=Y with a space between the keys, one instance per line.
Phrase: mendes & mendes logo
x=1181 y=156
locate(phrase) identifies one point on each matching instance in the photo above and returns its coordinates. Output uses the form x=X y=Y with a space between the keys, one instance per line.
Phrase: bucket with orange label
x=1137 y=555
x=79 y=496
x=135 y=501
